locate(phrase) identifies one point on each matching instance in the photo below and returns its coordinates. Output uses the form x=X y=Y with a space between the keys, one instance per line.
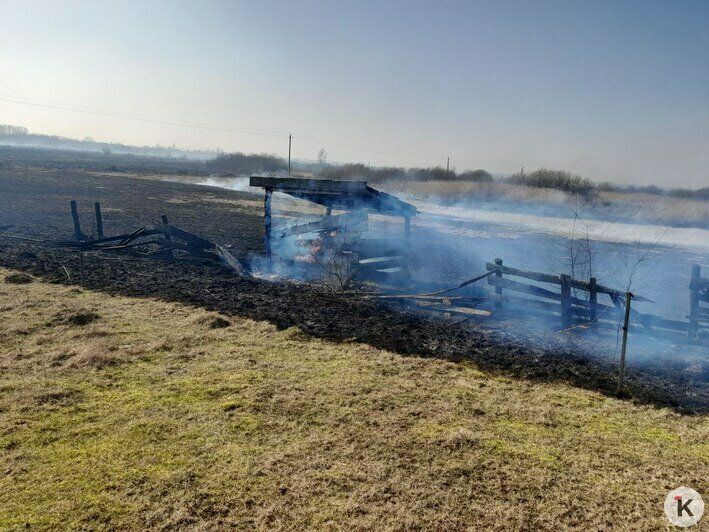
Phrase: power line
x=21 y=100
x=164 y=121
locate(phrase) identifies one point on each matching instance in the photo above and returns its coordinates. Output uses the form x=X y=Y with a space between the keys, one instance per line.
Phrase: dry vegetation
x=126 y=413
x=636 y=206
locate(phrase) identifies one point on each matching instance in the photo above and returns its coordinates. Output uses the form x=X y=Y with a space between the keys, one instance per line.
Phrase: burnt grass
x=35 y=200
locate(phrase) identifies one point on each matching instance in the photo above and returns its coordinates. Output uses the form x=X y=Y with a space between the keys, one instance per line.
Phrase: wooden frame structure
x=358 y=199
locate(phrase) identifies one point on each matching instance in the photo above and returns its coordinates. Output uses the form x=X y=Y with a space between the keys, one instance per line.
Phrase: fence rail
x=578 y=310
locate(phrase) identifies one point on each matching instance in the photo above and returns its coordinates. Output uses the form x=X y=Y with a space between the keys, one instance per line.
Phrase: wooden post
x=565 y=300
x=593 y=299
x=77 y=225
x=498 y=287
x=168 y=253
x=99 y=219
x=407 y=226
x=621 y=372
x=267 y=222
x=694 y=300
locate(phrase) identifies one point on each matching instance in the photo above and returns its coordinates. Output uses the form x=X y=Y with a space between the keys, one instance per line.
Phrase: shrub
x=556 y=179
x=476 y=176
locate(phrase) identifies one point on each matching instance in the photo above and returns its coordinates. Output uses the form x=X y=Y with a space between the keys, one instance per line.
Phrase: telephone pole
x=289 y=143
x=448 y=163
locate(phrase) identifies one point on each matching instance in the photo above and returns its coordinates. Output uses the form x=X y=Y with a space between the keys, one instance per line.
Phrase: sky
x=612 y=90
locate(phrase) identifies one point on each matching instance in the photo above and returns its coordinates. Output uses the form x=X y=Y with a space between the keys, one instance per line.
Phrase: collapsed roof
x=337 y=194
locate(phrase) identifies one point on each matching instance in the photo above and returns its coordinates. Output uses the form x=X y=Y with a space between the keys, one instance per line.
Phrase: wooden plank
x=286 y=184
x=456 y=310
x=328 y=223
x=553 y=279
x=229 y=260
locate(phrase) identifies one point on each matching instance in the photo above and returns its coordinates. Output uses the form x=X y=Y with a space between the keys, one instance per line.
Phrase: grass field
x=135 y=413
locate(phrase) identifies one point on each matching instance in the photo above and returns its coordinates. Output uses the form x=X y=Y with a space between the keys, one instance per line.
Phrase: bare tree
x=322 y=157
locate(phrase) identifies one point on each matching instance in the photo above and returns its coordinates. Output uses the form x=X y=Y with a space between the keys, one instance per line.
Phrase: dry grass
x=150 y=417
x=641 y=207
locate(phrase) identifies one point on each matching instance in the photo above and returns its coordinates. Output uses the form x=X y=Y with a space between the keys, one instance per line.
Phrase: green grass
x=148 y=418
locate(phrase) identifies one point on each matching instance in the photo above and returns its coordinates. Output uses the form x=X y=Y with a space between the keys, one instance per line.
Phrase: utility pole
x=289 y=143
x=448 y=164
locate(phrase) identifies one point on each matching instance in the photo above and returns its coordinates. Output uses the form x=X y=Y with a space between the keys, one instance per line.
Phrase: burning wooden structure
x=337 y=242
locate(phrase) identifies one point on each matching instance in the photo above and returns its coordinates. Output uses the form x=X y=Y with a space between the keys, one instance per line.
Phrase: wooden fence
x=577 y=301
x=699 y=293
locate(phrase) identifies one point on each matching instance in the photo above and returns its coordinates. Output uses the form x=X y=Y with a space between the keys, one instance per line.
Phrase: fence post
x=99 y=219
x=628 y=297
x=694 y=300
x=565 y=299
x=498 y=287
x=593 y=299
x=77 y=225
x=267 y=222
x=168 y=253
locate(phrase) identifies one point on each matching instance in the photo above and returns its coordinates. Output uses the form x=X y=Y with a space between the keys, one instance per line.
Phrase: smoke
x=452 y=242
x=238 y=184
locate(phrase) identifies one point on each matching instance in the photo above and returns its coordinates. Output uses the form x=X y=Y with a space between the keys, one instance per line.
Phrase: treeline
x=6 y=129
x=21 y=137
x=557 y=180
x=242 y=163
x=371 y=174
x=701 y=193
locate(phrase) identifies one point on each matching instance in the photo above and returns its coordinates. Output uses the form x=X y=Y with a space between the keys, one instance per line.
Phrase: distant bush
x=374 y=174
x=476 y=176
x=361 y=172
x=241 y=163
x=555 y=179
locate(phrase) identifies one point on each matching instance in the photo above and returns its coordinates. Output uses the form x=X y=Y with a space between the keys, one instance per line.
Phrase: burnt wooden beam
x=77 y=224
x=99 y=219
x=286 y=184
x=554 y=279
x=694 y=284
x=267 y=221
x=347 y=221
x=565 y=299
x=498 y=277
x=168 y=253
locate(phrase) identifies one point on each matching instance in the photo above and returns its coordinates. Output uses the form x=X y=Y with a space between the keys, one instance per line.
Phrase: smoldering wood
x=348 y=195
x=167 y=238
x=351 y=222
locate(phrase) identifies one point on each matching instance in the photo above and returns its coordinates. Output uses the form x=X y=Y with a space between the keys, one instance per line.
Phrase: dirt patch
x=18 y=278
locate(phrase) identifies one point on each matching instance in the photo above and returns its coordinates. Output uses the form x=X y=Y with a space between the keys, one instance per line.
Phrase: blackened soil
x=37 y=204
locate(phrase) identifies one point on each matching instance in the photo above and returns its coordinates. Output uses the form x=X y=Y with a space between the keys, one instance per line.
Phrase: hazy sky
x=613 y=90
